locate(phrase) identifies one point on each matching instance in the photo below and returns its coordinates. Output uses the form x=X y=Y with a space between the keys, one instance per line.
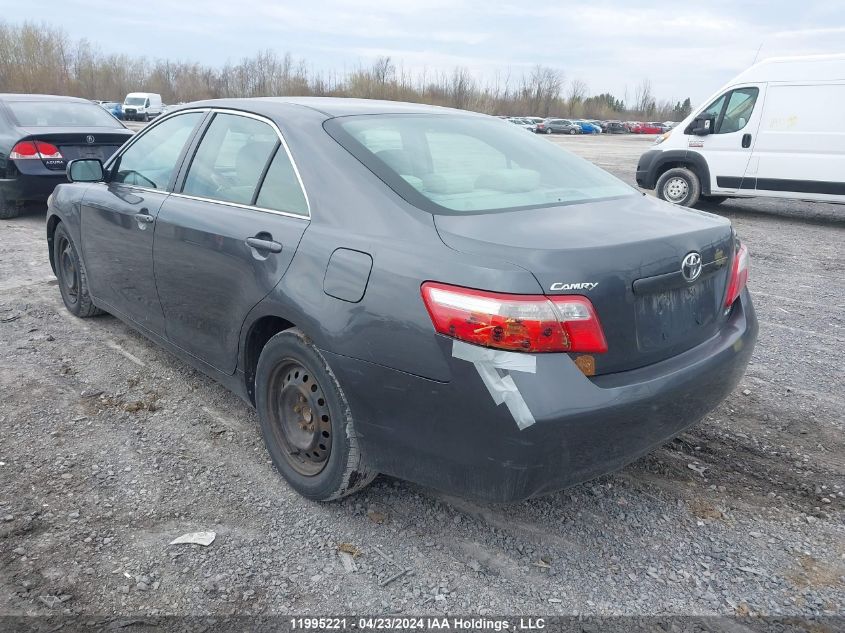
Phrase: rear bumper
x=26 y=187
x=451 y=436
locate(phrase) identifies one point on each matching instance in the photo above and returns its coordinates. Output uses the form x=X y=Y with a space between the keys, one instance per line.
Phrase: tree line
x=40 y=58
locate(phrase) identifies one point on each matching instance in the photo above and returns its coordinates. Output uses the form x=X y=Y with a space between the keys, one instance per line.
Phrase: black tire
x=73 y=280
x=679 y=186
x=314 y=447
x=146 y=117
x=9 y=209
x=573 y=131
x=713 y=199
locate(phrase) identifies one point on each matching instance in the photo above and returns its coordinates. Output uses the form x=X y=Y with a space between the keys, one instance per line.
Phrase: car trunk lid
x=625 y=255
x=98 y=143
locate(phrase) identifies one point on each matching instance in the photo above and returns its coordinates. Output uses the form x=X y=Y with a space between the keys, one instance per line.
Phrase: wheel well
x=52 y=223
x=260 y=332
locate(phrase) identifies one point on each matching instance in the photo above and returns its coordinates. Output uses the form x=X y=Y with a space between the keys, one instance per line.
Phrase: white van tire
x=679 y=186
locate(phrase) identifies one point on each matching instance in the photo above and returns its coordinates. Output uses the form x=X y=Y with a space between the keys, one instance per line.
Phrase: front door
x=226 y=239
x=118 y=221
x=727 y=149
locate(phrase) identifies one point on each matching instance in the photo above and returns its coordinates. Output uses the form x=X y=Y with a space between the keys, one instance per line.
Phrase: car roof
x=328 y=106
x=8 y=96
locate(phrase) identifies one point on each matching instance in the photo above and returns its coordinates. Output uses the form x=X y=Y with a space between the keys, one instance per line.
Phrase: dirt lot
x=110 y=448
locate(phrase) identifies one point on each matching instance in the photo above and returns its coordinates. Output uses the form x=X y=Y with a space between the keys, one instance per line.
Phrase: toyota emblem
x=691 y=266
x=90 y=139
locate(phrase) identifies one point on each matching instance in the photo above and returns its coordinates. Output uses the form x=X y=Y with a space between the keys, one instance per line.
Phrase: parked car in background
x=141 y=106
x=561 y=126
x=771 y=131
x=647 y=128
x=466 y=306
x=523 y=123
x=587 y=127
x=115 y=108
x=615 y=127
x=39 y=134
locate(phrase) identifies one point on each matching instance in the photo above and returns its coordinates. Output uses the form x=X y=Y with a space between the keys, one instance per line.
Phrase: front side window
x=738 y=111
x=470 y=164
x=151 y=160
x=732 y=110
x=60 y=114
x=231 y=159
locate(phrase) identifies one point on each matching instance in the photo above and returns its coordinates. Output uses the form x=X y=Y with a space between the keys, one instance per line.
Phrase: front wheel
x=305 y=420
x=679 y=186
x=73 y=280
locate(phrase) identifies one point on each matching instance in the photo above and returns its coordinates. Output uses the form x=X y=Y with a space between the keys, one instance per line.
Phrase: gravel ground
x=111 y=447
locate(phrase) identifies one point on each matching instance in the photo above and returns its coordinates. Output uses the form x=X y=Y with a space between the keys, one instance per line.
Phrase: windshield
x=134 y=101
x=470 y=164
x=60 y=114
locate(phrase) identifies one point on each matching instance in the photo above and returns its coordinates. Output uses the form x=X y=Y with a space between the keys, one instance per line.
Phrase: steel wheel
x=301 y=418
x=676 y=189
x=69 y=273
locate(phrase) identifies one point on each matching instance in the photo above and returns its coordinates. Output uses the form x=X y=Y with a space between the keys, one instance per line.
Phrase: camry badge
x=583 y=285
x=691 y=266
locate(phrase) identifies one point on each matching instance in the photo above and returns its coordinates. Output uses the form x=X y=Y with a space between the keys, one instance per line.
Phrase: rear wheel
x=573 y=131
x=70 y=271
x=306 y=421
x=548 y=130
x=679 y=186
x=8 y=208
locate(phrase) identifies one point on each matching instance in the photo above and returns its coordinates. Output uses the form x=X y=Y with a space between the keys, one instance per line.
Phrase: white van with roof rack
x=776 y=130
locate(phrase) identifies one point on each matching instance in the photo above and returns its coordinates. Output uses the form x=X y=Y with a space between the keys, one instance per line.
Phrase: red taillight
x=35 y=149
x=739 y=275
x=24 y=150
x=525 y=323
x=48 y=150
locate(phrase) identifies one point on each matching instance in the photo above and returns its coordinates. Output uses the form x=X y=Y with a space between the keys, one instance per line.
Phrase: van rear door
x=727 y=149
x=800 y=149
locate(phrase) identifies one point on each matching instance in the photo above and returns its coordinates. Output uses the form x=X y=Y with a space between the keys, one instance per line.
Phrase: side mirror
x=702 y=125
x=85 y=170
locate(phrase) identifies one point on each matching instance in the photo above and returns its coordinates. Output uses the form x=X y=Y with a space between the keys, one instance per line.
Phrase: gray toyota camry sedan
x=410 y=290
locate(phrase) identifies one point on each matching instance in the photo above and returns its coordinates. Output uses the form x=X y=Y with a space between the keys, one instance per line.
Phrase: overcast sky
x=684 y=48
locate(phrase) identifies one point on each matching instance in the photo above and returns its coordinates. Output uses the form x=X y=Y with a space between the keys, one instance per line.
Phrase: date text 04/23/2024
x=412 y=623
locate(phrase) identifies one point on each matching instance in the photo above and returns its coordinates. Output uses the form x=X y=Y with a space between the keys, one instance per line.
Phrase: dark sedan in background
x=39 y=134
x=410 y=290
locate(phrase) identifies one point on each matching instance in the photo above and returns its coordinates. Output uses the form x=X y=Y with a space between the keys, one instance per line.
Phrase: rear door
x=118 y=220
x=227 y=237
x=800 y=149
x=727 y=149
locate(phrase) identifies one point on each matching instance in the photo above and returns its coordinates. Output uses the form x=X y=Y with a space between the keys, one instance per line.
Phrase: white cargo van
x=141 y=106
x=777 y=130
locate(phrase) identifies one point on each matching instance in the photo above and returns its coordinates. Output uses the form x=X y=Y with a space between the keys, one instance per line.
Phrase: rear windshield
x=470 y=164
x=60 y=114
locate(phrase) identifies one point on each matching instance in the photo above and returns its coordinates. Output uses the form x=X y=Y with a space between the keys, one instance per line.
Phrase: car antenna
x=757 y=53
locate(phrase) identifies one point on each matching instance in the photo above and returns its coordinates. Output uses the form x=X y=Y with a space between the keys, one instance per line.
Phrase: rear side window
x=281 y=190
x=60 y=114
x=231 y=159
x=470 y=164
x=151 y=160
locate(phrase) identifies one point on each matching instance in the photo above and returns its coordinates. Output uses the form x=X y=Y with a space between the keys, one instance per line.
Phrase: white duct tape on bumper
x=492 y=365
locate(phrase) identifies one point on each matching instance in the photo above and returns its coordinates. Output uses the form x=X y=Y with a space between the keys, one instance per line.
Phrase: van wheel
x=146 y=118
x=679 y=186
x=305 y=420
